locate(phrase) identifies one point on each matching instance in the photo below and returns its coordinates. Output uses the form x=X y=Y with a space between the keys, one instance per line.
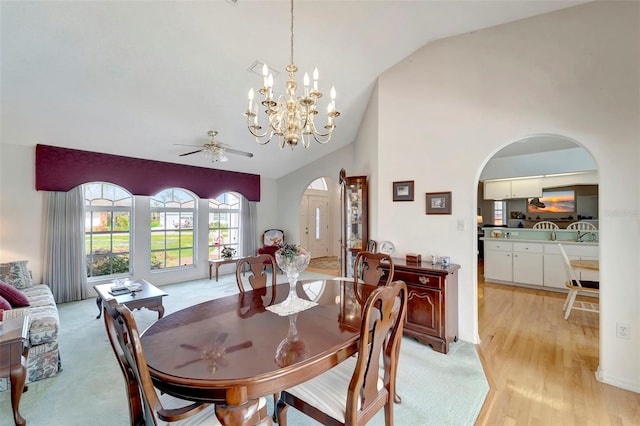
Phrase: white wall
x=542 y=163
x=445 y=110
x=20 y=207
x=292 y=186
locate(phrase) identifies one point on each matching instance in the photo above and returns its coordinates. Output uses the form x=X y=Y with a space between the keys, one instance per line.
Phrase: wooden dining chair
x=251 y=273
x=575 y=285
x=545 y=224
x=352 y=392
x=367 y=269
x=146 y=405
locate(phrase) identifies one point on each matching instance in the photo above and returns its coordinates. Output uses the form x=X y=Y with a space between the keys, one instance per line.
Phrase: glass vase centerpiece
x=292 y=259
x=292 y=348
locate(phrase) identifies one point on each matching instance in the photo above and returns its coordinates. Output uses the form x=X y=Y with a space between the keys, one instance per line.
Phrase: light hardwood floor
x=541 y=368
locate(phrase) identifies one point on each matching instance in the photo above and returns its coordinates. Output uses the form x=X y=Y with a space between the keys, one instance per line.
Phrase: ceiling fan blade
x=184 y=144
x=192 y=152
x=235 y=151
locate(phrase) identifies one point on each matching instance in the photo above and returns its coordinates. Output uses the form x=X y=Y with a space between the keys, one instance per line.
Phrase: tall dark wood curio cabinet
x=355 y=219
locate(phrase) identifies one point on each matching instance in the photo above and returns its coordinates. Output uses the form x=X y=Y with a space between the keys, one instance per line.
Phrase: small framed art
x=403 y=191
x=439 y=202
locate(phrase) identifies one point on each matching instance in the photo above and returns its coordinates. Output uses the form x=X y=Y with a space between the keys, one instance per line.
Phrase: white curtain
x=64 y=263
x=248 y=220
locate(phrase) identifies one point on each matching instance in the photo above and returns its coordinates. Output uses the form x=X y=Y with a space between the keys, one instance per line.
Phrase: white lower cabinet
x=533 y=263
x=497 y=261
x=554 y=273
x=527 y=263
x=553 y=260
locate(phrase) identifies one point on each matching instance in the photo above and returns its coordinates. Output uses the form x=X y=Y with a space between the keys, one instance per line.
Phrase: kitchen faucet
x=581 y=235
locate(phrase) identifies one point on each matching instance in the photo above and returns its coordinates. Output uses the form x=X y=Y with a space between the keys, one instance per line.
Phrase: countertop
x=522 y=240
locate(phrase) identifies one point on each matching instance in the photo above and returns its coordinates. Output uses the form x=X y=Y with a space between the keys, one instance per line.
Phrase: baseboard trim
x=617 y=381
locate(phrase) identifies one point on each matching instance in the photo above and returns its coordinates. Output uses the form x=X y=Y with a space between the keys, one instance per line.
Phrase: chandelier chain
x=291 y=30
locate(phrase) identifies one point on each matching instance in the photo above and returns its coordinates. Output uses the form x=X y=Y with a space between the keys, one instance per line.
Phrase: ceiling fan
x=215 y=150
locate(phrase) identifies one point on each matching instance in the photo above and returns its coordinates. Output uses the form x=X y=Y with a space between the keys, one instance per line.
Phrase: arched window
x=107 y=229
x=319 y=184
x=172 y=223
x=224 y=224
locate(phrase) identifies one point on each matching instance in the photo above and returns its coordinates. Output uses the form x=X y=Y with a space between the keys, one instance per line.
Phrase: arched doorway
x=319 y=218
x=558 y=162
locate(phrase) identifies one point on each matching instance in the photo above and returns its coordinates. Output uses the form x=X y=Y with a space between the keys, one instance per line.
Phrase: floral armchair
x=271 y=240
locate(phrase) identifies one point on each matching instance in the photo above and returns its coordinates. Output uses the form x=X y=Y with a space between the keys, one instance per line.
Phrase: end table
x=219 y=262
x=14 y=349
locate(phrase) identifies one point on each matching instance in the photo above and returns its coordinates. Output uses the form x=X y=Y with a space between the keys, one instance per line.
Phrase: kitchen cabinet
x=498 y=263
x=513 y=262
x=355 y=219
x=432 y=302
x=534 y=263
x=527 y=263
x=515 y=188
x=556 y=275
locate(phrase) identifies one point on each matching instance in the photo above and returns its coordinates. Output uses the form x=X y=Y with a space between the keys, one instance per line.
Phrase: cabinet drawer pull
x=423 y=280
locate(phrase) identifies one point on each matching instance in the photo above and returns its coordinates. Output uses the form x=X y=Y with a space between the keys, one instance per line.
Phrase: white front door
x=314 y=222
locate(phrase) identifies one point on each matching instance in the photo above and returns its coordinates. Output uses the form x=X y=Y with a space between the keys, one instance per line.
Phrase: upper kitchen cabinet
x=512 y=188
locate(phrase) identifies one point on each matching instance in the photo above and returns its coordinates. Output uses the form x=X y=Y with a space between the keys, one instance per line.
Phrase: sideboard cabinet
x=432 y=305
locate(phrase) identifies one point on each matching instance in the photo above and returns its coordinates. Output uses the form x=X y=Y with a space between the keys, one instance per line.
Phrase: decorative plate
x=387 y=247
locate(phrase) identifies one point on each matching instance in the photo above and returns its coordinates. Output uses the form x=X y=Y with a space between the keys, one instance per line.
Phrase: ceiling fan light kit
x=291 y=117
x=216 y=151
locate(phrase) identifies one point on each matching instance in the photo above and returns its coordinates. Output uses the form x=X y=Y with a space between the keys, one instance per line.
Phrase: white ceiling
x=136 y=77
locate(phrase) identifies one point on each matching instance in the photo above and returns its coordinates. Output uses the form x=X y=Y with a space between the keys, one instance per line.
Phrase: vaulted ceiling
x=135 y=78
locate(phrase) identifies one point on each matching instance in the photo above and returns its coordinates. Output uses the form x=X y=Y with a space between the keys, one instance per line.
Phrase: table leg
x=159 y=309
x=245 y=414
x=217 y=266
x=18 y=376
x=210 y=270
x=99 y=303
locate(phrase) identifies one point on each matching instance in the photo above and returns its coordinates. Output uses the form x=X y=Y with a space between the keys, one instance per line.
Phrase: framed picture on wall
x=403 y=191
x=439 y=202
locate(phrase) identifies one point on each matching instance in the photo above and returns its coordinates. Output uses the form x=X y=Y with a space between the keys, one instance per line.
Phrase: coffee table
x=149 y=296
x=14 y=350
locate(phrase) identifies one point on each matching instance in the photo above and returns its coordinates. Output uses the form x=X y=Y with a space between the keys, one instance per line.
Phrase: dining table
x=233 y=350
x=592 y=264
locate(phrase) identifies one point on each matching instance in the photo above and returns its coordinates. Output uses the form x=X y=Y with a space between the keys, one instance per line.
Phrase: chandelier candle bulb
x=316 y=74
x=306 y=84
x=265 y=74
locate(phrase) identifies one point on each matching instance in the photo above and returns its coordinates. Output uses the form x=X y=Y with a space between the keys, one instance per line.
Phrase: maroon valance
x=61 y=169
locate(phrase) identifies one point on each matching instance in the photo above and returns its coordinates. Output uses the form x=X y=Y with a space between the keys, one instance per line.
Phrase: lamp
x=479 y=219
x=291 y=118
x=216 y=155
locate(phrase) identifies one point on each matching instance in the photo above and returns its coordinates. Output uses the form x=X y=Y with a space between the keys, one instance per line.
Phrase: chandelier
x=291 y=117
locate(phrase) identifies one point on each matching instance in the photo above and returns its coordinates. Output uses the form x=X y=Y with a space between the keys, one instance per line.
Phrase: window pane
x=121 y=222
x=121 y=243
x=107 y=228
x=317 y=223
x=173 y=257
x=224 y=223
x=172 y=222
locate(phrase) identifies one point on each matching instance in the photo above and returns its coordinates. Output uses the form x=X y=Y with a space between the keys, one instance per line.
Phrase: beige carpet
x=329 y=265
